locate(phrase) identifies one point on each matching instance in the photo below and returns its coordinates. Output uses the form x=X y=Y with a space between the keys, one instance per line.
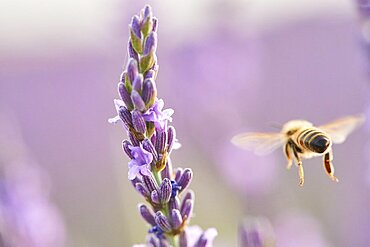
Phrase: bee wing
x=260 y=143
x=339 y=129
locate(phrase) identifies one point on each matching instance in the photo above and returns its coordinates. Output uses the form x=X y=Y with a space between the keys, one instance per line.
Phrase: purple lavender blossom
x=140 y=162
x=150 y=143
x=157 y=115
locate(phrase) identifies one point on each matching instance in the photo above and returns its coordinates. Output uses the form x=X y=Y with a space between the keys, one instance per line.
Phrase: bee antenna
x=276 y=125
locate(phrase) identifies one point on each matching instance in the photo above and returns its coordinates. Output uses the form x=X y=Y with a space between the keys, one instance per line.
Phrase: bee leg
x=287 y=149
x=300 y=166
x=329 y=168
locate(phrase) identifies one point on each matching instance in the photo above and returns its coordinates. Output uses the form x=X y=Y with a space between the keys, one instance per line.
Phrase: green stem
x=158 y=177
x=174 y=241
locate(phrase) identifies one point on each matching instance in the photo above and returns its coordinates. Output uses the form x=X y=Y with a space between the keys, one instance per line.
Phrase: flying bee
x=302 y=140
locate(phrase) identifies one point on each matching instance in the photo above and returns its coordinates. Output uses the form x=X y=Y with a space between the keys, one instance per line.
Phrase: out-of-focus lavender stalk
x=27 y=215
x=150 y=143
x=256 y=232
x=363 y=7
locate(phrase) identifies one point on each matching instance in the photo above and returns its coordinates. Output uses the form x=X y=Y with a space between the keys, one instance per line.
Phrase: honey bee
x=302 y=140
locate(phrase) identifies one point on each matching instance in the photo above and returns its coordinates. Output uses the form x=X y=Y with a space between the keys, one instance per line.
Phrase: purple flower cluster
x=150 y=142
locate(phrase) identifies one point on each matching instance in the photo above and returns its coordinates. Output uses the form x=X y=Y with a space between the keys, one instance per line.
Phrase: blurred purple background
x=225 y=67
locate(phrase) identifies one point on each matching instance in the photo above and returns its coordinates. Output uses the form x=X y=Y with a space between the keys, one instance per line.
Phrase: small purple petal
x=140 y=162
x=133 y=172
x=114 y=120
x=156 y=115
x=162 y=221
x=147 y=214
x=145 y=171
x=125 y=147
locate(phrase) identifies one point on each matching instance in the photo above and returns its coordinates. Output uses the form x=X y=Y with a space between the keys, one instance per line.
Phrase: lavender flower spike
x=256 y=232
x=150 y=142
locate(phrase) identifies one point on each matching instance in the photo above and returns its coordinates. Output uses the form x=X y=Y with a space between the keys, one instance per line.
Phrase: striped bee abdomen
x=314 y=140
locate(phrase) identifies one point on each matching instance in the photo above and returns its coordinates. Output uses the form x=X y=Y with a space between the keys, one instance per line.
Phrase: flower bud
x=147 y=214
x=137 y=100
x=149 y=92
x=125 y=148
x=125 y=116
x=165 y=191
x=137 y=84
x=150 y=45
x=162 y=221
x=132 y=70
x=161 y=141
x=148 y=146
x=131 y=51
x=185 y=179
x=176 y=218
x=125 y=96
x=155 y=197
x=138 y=122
